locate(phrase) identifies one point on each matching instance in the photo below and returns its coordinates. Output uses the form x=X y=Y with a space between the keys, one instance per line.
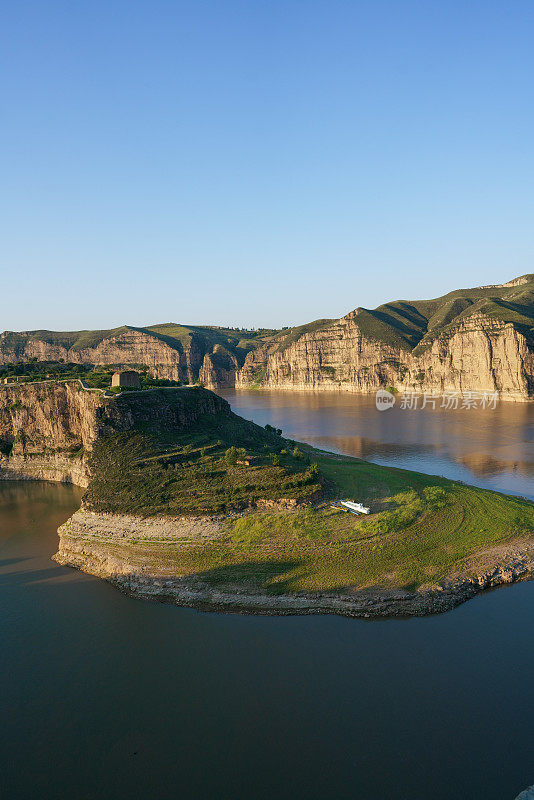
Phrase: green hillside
x=421 y=528
x=236 y=341
x=407 y=324
x=75 y=340
x=413 y=324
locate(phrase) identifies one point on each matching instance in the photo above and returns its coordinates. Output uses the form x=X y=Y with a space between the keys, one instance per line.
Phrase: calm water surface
x=102 y=696
x=490 y=448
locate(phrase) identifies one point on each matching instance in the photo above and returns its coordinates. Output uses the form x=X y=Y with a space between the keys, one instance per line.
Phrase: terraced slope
x=189 y=502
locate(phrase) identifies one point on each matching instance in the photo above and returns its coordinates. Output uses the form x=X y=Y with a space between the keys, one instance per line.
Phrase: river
x=491 y=447
x=103 y=696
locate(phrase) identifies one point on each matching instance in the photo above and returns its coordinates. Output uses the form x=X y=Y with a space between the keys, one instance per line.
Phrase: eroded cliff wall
x=129 y=347
x=48 y=429
x=478 y=354
x=469 y=339
x=190 y=360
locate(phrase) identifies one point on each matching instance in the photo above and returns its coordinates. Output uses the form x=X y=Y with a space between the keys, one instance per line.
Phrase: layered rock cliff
x=175 y=511
x=123 y=347
x=469 y=340
x=479 y=354
x=48 y=429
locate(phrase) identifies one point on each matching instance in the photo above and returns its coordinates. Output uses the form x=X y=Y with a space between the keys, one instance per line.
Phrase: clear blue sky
x=259 y=163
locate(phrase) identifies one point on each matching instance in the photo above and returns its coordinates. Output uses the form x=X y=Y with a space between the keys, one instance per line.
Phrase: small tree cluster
x=270 y=429
x=235 y=454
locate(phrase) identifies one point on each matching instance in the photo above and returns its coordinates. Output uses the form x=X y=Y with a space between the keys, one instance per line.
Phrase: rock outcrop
x=468 y=340
x=63 y=432
x=48 y=429
x=126 y=346
x=105 y=545
x=479 y=354
x=526 y=794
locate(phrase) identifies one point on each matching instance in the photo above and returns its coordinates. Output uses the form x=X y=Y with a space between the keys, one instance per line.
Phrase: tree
x=231 y=456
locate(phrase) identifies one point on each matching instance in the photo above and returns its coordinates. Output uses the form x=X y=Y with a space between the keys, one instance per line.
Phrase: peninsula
x=188 y=503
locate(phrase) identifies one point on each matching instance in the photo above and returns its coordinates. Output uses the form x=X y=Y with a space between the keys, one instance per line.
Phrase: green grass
x=294 y=334
x=94 y=376
x=416 y=323
x=420 y=530
x=174 y=461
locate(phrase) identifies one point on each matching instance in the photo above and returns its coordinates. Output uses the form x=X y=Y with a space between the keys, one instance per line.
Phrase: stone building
x=129 y=378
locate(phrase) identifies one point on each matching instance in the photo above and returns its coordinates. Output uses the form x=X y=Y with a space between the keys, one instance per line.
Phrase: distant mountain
x=469 y=339
x=169 y=350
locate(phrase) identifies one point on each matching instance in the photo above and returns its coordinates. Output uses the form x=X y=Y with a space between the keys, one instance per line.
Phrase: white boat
x=355 y=507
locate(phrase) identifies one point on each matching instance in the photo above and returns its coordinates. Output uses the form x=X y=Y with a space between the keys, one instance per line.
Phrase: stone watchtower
x=129 y=378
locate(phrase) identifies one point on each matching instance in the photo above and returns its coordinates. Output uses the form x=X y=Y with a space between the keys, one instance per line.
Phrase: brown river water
x=493 y=448
x=105 y=697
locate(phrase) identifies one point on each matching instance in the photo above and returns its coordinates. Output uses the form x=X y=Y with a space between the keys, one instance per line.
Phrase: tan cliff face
x=476 y=354
x=48 y=429
x=479 y=354
x=128 y=348
x=132 y=347
x=467 y=340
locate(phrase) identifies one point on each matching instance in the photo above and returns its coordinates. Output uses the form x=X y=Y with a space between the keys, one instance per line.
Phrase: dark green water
x=103 y=696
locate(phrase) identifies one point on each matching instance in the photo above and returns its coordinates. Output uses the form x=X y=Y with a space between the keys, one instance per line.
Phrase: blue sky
x=259 y=163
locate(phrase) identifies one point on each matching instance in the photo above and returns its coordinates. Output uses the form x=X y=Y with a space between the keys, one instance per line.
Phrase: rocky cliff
x=478 y=354
x=176 y=512
x=48 y=430
x=173 y=352
x=123 y=347
x=470 y=339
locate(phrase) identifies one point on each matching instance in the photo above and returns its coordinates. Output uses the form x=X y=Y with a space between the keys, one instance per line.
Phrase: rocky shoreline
x=49 y=431
x=104 y=545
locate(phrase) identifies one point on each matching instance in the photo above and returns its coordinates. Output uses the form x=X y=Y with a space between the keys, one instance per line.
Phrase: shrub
x=435 y=496
x=5 y=447
x=270 y=429
x=231 y=456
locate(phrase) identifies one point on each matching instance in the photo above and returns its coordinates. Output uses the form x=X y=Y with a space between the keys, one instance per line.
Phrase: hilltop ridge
x=468 y=339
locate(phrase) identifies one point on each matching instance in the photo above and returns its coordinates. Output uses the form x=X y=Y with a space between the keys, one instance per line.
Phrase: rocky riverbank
x=141 y=557
x=188 y=503
x=48 y=429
